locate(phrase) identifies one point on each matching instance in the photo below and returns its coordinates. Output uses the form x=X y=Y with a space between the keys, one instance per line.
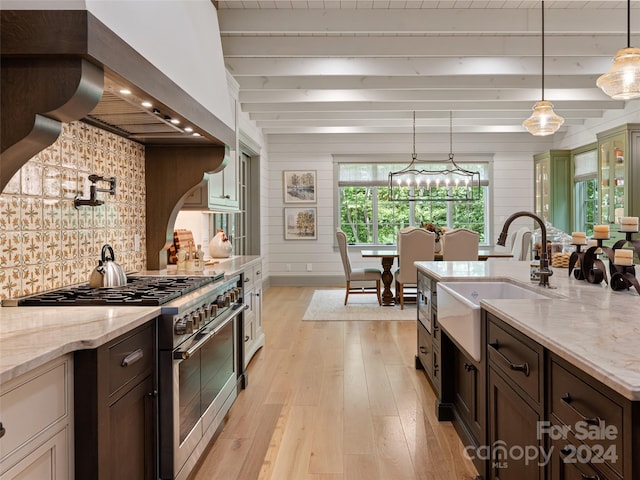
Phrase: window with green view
x=368 y=217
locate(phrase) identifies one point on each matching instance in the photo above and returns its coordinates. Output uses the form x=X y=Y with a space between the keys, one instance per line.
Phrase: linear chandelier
x=543 y=121
x=416 y=182
x=622 y=81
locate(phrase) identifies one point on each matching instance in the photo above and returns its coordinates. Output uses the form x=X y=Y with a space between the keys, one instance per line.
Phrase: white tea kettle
x=108 y=273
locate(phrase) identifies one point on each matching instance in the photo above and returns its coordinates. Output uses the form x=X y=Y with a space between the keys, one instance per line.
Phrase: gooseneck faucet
x=545 y=272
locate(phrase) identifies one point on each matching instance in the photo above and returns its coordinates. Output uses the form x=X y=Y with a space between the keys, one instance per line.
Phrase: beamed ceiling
x=308 y=67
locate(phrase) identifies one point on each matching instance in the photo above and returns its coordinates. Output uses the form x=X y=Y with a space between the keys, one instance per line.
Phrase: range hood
x=65 y=65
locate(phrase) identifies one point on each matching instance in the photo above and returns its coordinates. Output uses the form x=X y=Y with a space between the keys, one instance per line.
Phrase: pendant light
x=622 y=81
x=429 y=182
x=543 y=121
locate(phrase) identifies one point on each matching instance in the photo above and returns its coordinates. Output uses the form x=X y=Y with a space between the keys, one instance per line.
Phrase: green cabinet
x=552 y=188
x=618 y=175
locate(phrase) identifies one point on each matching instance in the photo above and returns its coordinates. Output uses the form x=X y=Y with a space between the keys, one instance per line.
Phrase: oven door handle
x=185 y=354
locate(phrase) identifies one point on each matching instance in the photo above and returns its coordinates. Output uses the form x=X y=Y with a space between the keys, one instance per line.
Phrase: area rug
x=329 y=305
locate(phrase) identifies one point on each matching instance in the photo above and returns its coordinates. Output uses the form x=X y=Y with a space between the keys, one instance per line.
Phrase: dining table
x=388 y=256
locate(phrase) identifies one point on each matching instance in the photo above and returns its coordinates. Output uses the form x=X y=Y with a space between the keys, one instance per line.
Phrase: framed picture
x=299 y=186
x=300 y=223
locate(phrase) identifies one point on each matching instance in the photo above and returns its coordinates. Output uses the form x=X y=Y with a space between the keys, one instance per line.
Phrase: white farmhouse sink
x=459 y=308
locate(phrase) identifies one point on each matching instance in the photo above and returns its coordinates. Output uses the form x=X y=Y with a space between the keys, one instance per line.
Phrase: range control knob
x=180 y=327
x=189 y=320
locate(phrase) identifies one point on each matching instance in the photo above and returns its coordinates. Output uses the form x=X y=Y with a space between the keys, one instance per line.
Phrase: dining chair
x=521 y=244
x=460 y=244
x=518 y=243
x=414 y=245
x=357 y=274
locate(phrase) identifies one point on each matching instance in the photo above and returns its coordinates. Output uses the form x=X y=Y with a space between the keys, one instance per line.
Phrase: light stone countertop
x=591 y=326
x=32 y=336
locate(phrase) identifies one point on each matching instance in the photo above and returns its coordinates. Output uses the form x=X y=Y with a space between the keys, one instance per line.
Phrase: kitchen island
x=545 y=364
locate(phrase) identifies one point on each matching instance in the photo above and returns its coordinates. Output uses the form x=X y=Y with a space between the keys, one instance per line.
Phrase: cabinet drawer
x=130 y=357
x=32 y=403
x=595 y=419
x=425 y=349
x=567 y=463
x=519 y=358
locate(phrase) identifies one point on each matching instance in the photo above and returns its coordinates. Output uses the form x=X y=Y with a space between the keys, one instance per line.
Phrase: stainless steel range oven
x=199 y=367
x=199 y=377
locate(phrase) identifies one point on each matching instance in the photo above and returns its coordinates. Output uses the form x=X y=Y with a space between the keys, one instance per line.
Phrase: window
x=368 y=217
x=585 y=177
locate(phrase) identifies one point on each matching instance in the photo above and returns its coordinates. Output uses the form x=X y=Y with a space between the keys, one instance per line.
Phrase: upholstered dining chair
x=521 y=244
x=518 y=243
x=414 y=245
x=357 y=274
x=460 y=244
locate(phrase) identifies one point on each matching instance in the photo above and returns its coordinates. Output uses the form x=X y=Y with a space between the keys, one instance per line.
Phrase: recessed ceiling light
x=188 y=129
x=147 y=104
x=175 y=121
x=125 y=91
x=195 y=134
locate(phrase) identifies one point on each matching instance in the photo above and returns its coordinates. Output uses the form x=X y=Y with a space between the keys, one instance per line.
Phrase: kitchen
x=125 y=246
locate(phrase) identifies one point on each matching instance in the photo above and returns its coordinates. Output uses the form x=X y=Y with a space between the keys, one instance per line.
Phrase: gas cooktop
x=140 y=291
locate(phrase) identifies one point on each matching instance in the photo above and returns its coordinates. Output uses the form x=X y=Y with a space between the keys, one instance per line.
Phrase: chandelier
x=543 y=121
x=427 y=181
x=622 y=81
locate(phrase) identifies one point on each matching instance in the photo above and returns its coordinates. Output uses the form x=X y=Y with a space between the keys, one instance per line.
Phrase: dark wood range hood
x=65 y=65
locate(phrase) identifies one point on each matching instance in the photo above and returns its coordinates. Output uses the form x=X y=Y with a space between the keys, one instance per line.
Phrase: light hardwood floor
x=334 y=401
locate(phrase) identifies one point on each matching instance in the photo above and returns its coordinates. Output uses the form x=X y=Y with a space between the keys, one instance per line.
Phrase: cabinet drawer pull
x=246 y=338
x=566 y=451
x=132 y=358
x=519 y=367
x=2 y=430
x=566 y=399
x=423 y=349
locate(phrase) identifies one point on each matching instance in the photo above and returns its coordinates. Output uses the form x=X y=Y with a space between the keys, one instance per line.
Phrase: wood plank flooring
x=334 y=401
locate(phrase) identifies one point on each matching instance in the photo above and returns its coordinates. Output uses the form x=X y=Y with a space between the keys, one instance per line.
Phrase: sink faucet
x=545 y=272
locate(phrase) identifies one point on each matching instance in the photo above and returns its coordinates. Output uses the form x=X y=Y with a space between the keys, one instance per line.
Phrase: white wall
x=511 y=183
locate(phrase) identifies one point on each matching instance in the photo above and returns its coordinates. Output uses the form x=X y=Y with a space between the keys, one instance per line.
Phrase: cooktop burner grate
x=140 y=291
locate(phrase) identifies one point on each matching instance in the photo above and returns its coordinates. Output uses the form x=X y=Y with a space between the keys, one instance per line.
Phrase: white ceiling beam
x=387 y=131
x=434 y=105
x=405 y=116
x=413 y=66
x=446 y=20
x=463 y=45
x=318 y=82
x=402 y=126
x=367 y=95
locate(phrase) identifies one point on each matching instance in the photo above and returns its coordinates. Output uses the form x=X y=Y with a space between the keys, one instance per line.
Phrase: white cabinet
x=253 y=334
x=37 y=418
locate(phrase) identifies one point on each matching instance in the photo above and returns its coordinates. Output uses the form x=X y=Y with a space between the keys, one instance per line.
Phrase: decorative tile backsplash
x=45 y=242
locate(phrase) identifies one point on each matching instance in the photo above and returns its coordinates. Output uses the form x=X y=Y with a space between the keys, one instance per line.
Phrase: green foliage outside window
x=368 y=217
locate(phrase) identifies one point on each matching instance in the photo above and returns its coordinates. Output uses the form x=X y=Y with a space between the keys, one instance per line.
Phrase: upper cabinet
x=619 y=173
x=552 y=192
x=219 y=192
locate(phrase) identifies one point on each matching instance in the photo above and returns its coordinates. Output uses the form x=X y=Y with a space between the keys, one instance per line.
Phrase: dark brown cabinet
x=115 y=408
x=469 y=390
x=600 y=428
x=512 y=427
x=515 y=403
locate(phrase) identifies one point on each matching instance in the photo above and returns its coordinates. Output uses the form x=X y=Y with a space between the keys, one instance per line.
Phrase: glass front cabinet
x=618 y=175
x=552 y=193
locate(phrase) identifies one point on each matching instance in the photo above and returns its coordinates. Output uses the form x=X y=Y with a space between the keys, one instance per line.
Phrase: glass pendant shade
x=543 y=121
x=622 y=81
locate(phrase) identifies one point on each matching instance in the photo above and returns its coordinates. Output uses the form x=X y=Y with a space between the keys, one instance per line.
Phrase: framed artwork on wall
x=300 y=223
x=299 y=186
